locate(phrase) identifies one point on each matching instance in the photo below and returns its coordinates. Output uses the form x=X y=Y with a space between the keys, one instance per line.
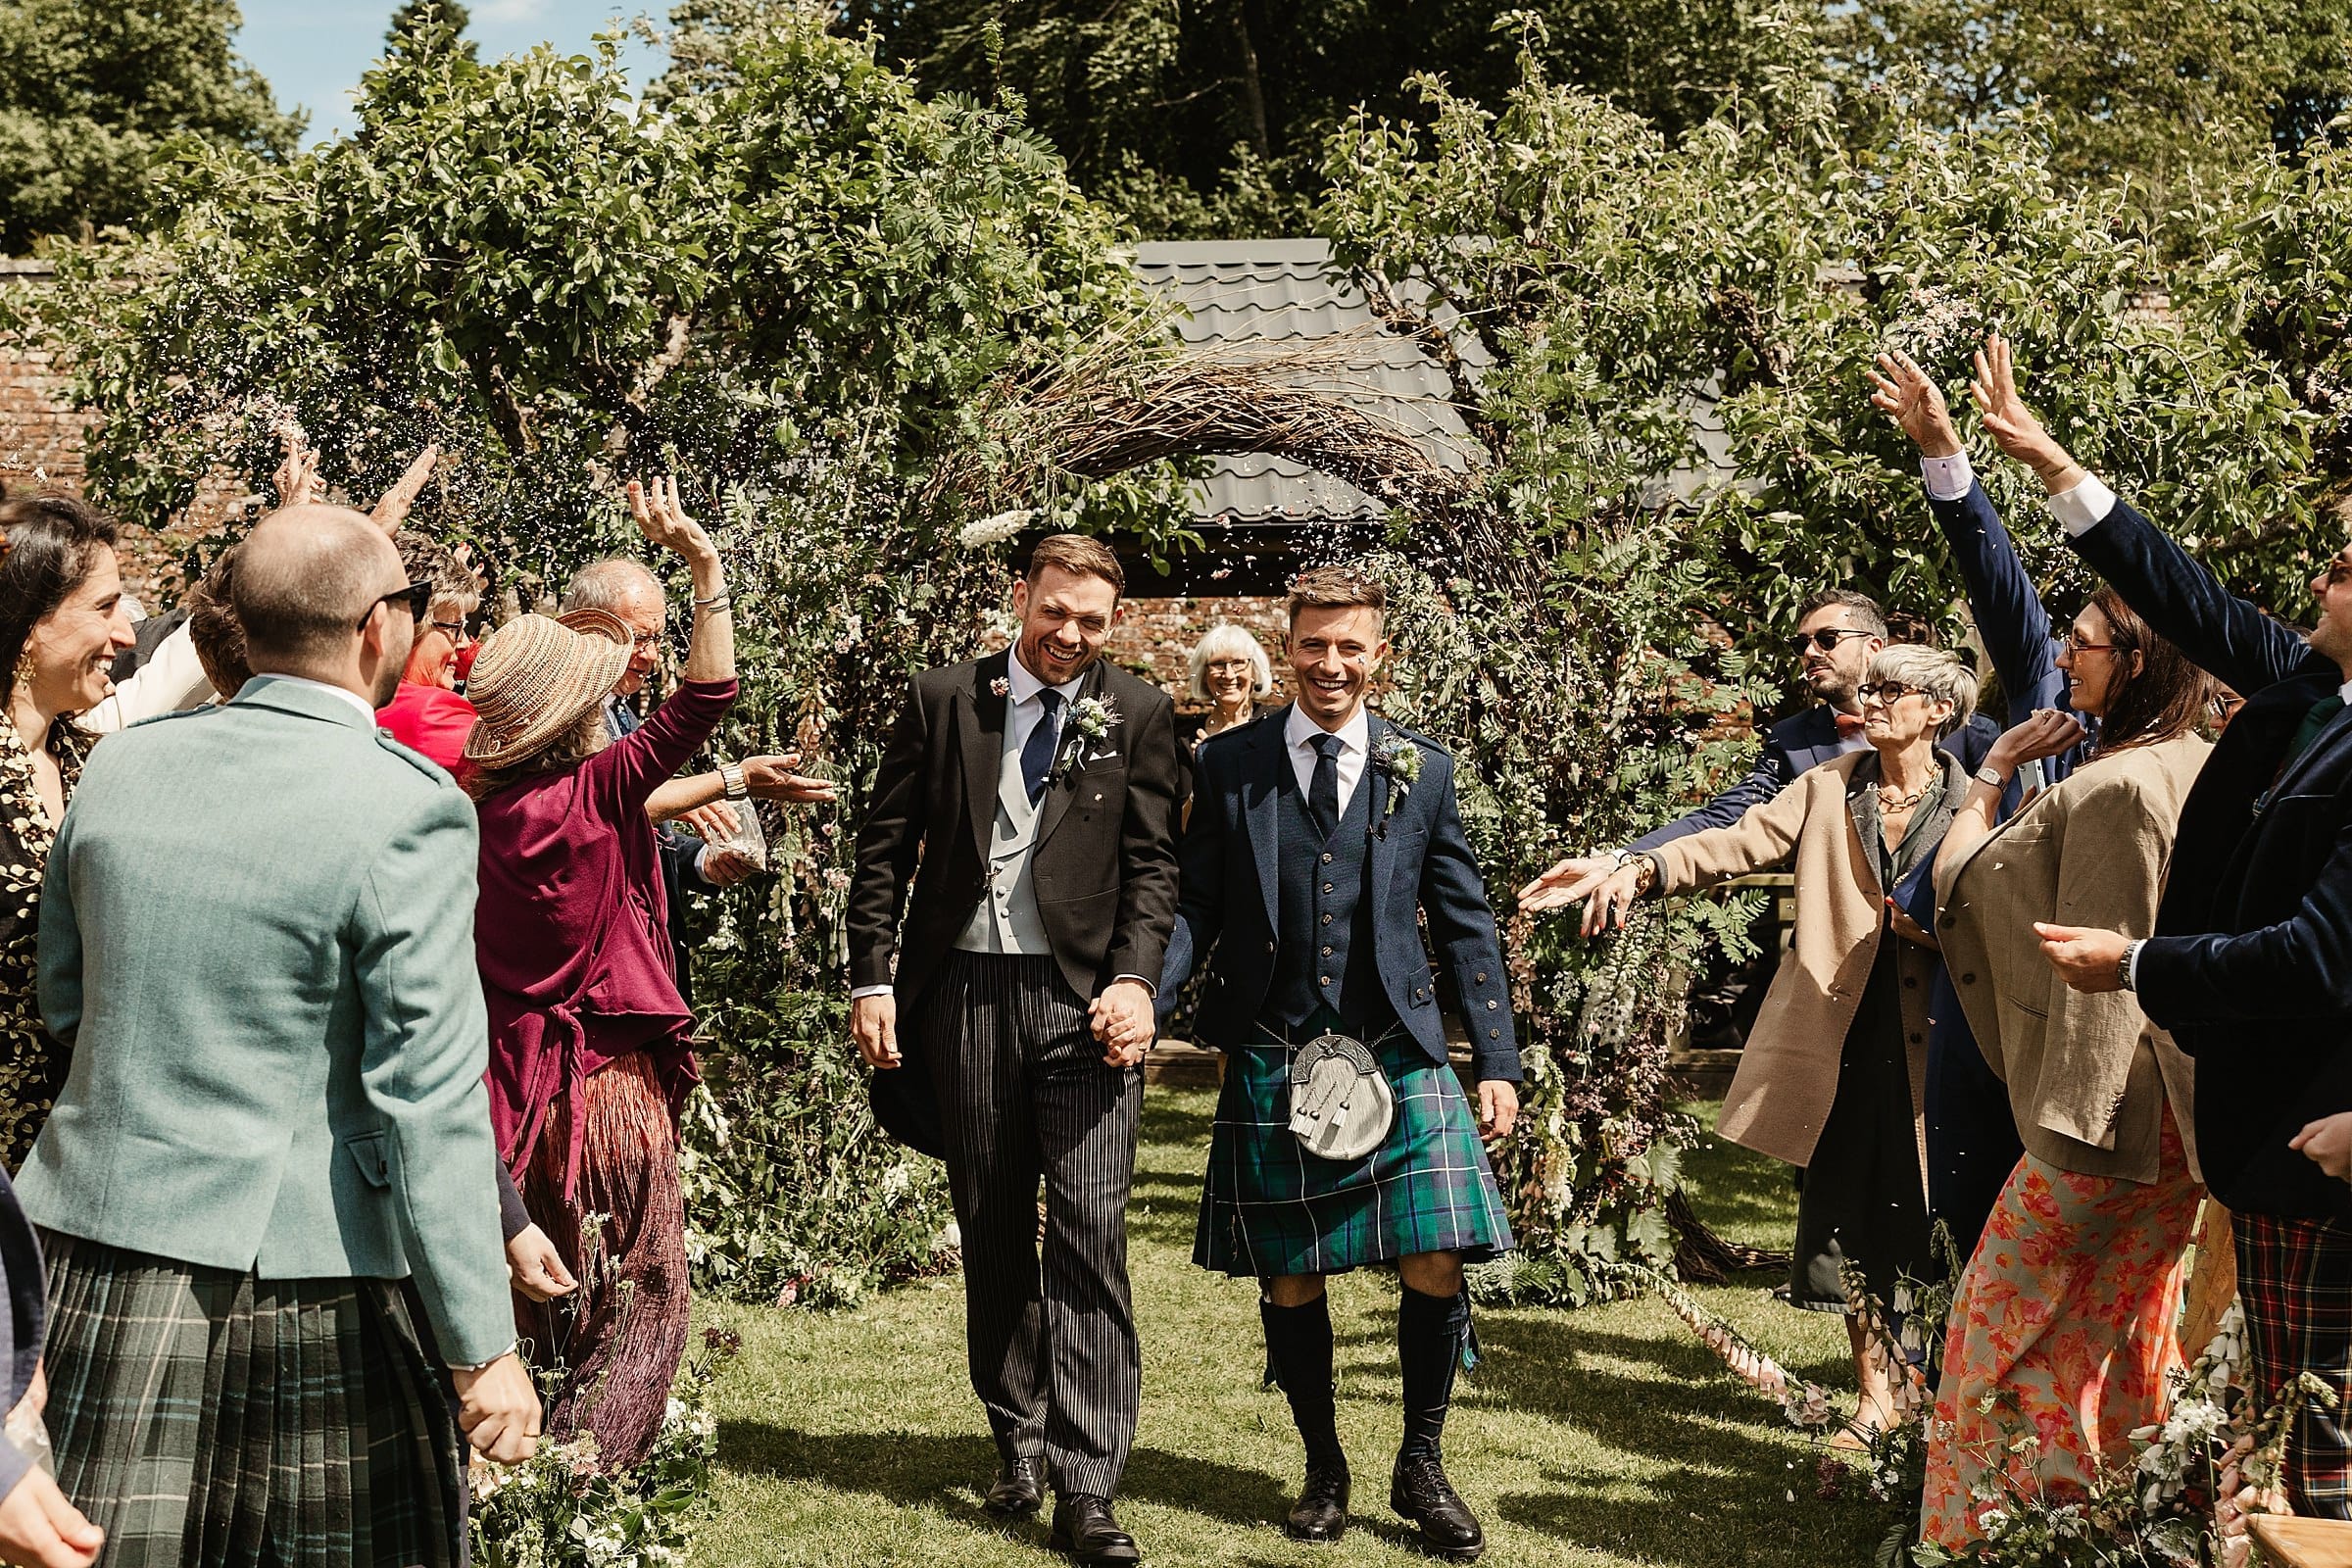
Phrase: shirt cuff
x=863 y=991
x=701 y=853
x=2131 y=965
x=2082 y=507
x=1139 y=980
x=1948 y=478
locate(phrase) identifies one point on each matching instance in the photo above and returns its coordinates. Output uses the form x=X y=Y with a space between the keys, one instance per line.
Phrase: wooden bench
x=2290 y=1543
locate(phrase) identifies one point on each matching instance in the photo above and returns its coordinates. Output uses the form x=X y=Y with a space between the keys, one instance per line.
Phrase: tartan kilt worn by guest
x=1318 y=841
x=268 y=1188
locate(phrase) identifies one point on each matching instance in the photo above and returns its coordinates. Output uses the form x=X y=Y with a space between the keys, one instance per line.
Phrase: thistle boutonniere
x=1091 y=721
x=1400 y=759
x=1002 y=686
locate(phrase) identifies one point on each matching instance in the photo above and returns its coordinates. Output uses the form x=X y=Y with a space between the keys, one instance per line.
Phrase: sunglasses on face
x=1887 y=692
x=2339 y=572
x=417 y=596
x=1825 y=640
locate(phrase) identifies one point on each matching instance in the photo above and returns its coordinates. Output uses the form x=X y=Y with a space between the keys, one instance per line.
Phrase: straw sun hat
x=532 y=683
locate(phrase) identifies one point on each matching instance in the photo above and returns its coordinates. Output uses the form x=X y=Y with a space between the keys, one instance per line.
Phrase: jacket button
x=1950 y=920
x=1327 y=887
x=1482 y=976
x=1911 y=982
x=1968 y=979
x=1327 y=919
x=1491 y=1006
x=1494 y=1034
x=1323 y=980
x=1327 y=953
x=1916 y=1037
x=1326 y=857
x=1270 y=947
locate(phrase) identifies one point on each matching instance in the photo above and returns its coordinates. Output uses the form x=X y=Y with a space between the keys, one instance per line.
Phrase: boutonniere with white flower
x=1400 y=759
x=1092 y=719
x=1002 y=686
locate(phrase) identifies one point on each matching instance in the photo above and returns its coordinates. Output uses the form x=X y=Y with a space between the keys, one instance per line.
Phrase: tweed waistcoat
x=1006 y=919
x=1326 y=912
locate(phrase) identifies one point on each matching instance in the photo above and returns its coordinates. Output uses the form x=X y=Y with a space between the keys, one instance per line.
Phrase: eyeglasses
x=645 y=640
x=2075 y=645
x=1827 y=639
x=1887 y=692
x=454 y=630
x=417 y=596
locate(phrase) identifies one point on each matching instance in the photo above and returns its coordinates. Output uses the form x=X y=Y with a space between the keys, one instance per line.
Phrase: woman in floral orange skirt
x=2061 y=1337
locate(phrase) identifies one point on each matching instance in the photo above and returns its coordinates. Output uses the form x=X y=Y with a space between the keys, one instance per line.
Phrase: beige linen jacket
x=2088 y=1075
x=1788 y=1075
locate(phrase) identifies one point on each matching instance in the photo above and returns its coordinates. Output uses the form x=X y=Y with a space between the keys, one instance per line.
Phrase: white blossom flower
x=995 y=530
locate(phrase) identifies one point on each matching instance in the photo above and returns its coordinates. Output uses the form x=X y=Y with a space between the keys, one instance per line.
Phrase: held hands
x=874 y=1025
x=499 y=1409
x=41 y=1528
x=1907 y=393
x=2087 y=959
x=535 y=1268
x=1498 y=1108
x=2328 y=1143
x=662 y=517
x=1124 y=1022
x=1566 y=883
x=2012 y=426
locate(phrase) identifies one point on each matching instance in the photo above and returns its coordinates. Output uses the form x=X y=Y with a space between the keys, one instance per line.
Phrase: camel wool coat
x=1788 y=1076
x=2088 y=1075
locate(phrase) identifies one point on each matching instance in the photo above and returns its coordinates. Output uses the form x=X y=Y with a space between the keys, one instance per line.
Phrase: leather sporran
x=1341 y=1104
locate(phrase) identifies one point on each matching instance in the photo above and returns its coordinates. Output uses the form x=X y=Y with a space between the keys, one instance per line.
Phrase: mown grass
x=1601 y=1437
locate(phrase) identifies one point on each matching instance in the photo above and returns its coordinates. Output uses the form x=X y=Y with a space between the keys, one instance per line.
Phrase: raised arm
x=2220 y=633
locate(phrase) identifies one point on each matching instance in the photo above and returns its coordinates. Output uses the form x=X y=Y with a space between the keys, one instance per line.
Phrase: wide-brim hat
x=533 y=680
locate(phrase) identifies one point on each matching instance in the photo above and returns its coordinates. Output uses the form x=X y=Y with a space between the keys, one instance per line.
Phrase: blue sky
x=313 y=51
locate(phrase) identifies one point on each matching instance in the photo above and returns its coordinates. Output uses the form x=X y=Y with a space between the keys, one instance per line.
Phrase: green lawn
x=1601 y=1437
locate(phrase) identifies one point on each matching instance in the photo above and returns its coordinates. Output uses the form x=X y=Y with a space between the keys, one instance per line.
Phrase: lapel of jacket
x=1375 y=780
x=1059 y=796
x=2033 y=808
x=1262 y=797
x=981 y=726
x=2326 y=740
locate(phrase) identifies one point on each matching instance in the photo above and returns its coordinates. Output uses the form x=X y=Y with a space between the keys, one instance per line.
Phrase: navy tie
x=1323 y=795
x=1037 y=753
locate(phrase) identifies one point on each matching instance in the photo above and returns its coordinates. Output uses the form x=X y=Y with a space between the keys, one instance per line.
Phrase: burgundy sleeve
x=623 y=774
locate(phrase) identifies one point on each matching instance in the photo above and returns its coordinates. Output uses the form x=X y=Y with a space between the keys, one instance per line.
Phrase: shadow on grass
x=922 y=1470
x=1744 y=1196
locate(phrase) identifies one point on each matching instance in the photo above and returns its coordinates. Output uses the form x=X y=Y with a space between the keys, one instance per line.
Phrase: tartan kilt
x=201 y=1415
x=2294 y=1281
x=1270 y=1208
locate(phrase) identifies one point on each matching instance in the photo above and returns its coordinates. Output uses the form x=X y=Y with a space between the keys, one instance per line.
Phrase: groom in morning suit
x=1322 y=837
x=1036 y=790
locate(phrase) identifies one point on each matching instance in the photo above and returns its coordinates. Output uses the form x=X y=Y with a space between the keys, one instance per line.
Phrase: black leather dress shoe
x=1018 y=1492
x=1322 y=1510
x=1419 y=1490
x=1084 y=1528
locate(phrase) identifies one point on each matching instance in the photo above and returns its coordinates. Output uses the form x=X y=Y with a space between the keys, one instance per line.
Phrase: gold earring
x=24 y=672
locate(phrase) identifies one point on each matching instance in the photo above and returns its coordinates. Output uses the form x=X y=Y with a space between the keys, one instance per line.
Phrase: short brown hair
x=214 y=628
x=1079 y=556
x=1336 y=588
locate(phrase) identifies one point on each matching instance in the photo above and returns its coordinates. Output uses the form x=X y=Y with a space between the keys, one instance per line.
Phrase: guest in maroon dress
x=427 y=714
x=589 y=1063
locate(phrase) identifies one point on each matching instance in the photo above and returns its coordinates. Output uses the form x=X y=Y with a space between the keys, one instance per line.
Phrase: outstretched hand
x=662 y=517
x=2013 y=426
x=1900 y=389
x=391 y=509
x=297 y=478
x=1566 y=883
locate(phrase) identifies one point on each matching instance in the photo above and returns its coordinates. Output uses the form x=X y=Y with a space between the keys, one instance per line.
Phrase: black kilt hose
x=203 y=1416
x=1269 y=1208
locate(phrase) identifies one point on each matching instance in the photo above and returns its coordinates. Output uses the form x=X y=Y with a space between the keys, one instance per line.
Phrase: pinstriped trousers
x=1024 y=1095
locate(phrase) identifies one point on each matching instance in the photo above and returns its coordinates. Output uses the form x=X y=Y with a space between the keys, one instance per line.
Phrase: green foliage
x=93 y=92
x=1208 y=118
x=424 y=26
x=800 y=286
x=1607 y=301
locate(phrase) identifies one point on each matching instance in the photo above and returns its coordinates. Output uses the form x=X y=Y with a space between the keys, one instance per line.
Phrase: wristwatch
x=2123 y=968
x=731 y=779
x=1989 y=774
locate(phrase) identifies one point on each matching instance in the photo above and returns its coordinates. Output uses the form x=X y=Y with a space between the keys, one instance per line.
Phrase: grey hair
x=1943 y=676
x=608 y=584
x=1225 y=640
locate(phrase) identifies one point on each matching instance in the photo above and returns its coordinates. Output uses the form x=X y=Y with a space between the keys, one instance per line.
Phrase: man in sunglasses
x=1837 y=633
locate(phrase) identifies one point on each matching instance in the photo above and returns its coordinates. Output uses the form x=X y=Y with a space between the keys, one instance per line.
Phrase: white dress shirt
x=1299 y=732
x=171 y=679
x=1022 y=711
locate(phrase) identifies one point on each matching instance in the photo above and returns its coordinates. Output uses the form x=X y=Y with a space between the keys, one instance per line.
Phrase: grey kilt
x=203 y=1416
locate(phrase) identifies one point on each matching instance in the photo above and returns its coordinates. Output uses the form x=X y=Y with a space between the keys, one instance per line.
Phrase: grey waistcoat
x=1006 y=921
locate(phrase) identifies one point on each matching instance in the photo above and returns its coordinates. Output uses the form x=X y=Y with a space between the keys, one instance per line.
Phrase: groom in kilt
x=1320 y=836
